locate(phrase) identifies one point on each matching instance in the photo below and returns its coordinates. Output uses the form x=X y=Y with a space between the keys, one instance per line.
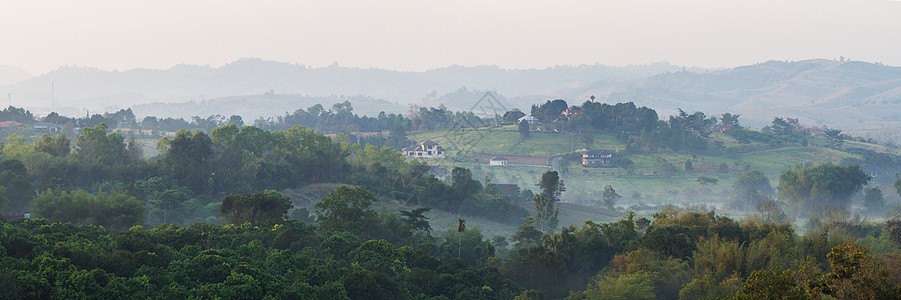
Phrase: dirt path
x=554 y=163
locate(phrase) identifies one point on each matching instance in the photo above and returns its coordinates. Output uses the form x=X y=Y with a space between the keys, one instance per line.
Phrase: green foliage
x=620 y=117
x=463 y=185
x=188 y=154
x=55 y=260
x=57 y=146
x=353 y=253
x=706 y=287
x=17 y=114
x=167 y=201
x=416 y=221
x=771 y=212
x=704 y=180
x=526 y=235
x=513 y=116
x=541 y=269
x=834 y=137
x=117 y=211
x=17 y=191
x=857 y=275
x=772 y=284
x=638 y=285
x=610 y=196
x=523 y=129
x=467 y=245
x=639 y=274
x=97 y=146
x=824 y=185
x=549 y=111
x=723 y=168
x=259 y=209
x=545 y=213
x=788 y=127
x=897 y=184
x=873 y=200
x=551 y=186
x=347 y=209
x=752 y=179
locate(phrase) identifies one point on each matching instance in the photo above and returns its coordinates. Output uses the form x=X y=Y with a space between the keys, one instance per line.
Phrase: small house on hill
x=46 y=127
x=497 y=161
x=597 y=158
x=427 y=149
x=568 y=113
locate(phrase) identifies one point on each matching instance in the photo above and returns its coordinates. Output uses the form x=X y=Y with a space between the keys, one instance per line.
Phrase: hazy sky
x=39 y=36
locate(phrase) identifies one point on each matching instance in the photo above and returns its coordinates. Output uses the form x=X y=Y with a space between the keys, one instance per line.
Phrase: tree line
x=353 y=252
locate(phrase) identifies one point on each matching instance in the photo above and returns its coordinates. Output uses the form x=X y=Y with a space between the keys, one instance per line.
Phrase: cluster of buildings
x=39 y=126
x=565 y=115
x=431 y=149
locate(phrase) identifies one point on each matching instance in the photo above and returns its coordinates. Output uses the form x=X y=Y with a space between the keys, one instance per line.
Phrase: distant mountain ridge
x=11 y=75
x=851 y=95
x=841 y=94
x=102 y=90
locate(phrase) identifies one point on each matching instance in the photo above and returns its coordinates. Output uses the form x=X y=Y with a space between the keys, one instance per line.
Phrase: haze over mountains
x=10 y=75
x=841 y=94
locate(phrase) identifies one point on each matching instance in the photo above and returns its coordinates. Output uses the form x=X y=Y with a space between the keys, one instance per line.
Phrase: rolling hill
x=11 y=75
x=859 y=97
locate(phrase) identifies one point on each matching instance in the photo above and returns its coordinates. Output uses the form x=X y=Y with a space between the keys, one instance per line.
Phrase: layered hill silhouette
x=11 y=75
x=852 y=95
x=842 y=94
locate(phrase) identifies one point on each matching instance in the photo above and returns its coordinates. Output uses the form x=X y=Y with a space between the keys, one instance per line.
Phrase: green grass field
x=655 y=179
x=505 y=141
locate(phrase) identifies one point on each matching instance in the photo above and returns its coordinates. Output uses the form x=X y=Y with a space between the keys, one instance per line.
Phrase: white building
x=497 y=161
x=530 y=119
x=427 y=149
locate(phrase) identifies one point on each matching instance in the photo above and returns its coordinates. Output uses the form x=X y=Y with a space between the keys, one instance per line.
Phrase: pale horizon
x=418 y=36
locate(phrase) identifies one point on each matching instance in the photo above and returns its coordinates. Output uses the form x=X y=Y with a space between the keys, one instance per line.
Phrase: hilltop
x=859 y=97
x=845 y=94
x=11 y=75
x=85 y=87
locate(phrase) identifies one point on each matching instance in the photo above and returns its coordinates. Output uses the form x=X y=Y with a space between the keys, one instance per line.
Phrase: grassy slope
x=645 y=184
x=507 y=141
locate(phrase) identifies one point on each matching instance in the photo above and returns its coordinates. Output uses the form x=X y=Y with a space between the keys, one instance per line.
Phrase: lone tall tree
x=551 y=185
x=610 y=196
x=524 y=129
x=416 y=221
x=545 y=213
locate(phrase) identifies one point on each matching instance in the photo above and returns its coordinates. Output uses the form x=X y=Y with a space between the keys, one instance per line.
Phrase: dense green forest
x=206 y=218
x=353 y=252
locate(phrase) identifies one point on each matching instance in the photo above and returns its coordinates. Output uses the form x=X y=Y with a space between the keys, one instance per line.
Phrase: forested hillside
x=208 y=216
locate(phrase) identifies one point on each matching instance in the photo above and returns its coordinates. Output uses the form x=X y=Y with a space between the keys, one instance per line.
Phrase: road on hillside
x=554 y=163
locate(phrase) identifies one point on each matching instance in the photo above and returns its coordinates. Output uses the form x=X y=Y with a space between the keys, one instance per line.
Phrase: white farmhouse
x=427 y=149
x=497 y=161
